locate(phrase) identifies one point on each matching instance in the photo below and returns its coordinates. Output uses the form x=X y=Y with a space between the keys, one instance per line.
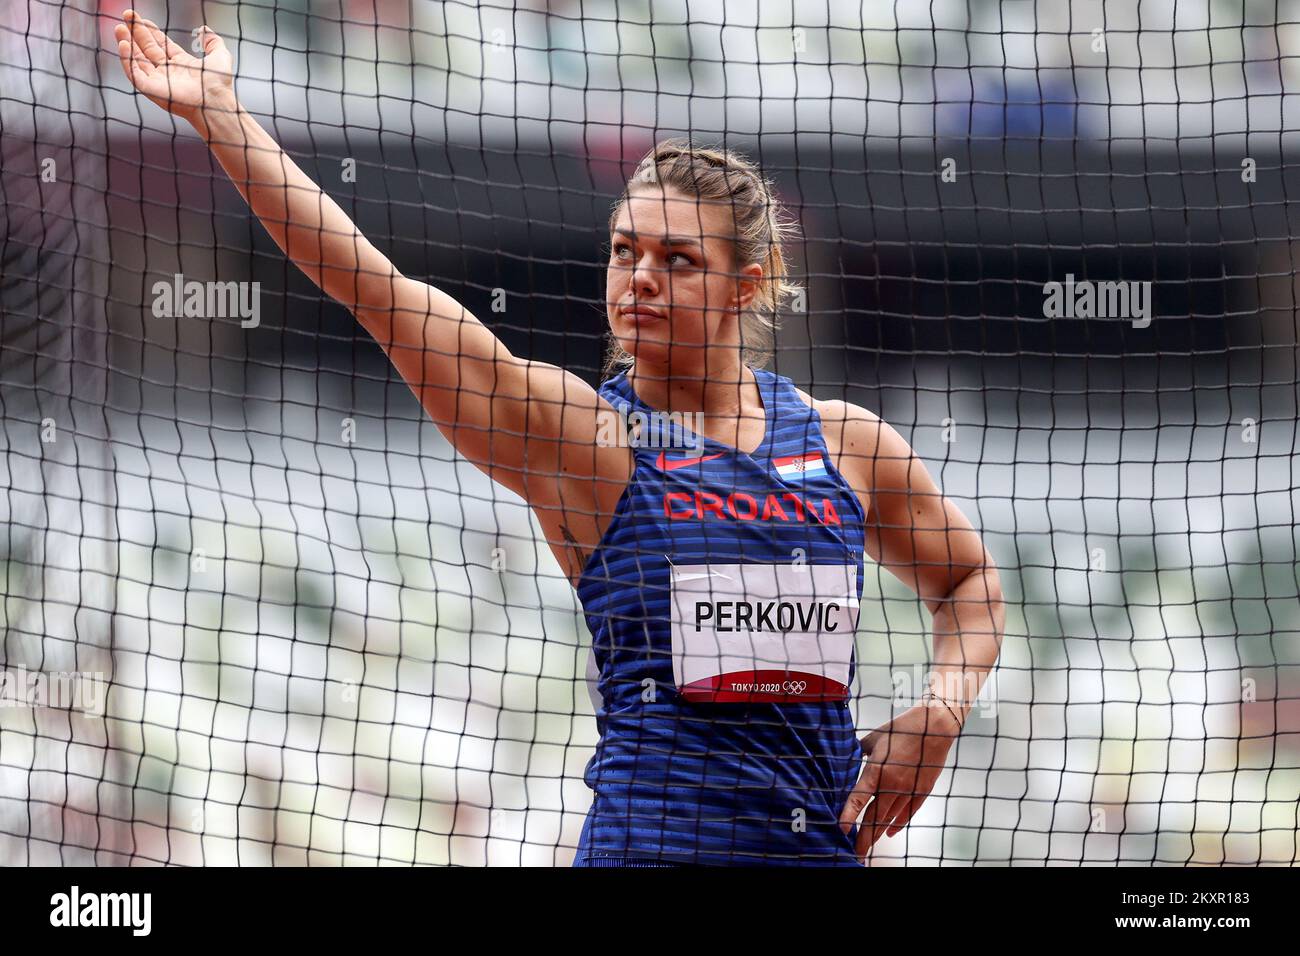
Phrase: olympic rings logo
x=795 y=686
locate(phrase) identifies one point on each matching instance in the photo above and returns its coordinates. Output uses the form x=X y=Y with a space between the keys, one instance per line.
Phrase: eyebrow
x=666 y=240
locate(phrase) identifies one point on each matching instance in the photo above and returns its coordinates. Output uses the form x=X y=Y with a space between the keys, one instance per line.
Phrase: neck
x=718 y=388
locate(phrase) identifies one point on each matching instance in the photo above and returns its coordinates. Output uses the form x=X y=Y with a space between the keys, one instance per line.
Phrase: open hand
x=164 y=71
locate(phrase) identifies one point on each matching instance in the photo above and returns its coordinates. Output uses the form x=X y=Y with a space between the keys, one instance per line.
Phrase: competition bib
x=766 y=633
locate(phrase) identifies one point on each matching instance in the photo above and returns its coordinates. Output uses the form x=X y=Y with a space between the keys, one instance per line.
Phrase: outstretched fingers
x=169 y=46
x=211 y=40
x=135 y=64
x=145 y=39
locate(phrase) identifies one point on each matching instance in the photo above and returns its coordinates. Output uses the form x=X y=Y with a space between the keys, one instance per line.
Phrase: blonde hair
x=762 y=229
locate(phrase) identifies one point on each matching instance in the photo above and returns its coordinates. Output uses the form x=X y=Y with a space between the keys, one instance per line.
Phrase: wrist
x=946 y=713
x=218 y=110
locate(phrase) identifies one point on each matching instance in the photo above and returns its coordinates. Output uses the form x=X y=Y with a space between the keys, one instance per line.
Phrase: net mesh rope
x=324 y=639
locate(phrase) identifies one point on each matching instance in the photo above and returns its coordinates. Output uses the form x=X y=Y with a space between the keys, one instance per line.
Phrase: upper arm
x=912 y=530
x=529 y=425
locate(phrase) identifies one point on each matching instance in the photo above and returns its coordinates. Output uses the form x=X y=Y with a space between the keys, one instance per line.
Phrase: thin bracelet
x=934 y=696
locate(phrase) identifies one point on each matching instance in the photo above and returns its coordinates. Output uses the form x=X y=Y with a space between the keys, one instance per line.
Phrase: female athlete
x=719 y=565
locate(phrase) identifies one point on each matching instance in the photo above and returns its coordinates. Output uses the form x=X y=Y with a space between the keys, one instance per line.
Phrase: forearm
x=968 y=627
x=468 y=381
x=307 y=224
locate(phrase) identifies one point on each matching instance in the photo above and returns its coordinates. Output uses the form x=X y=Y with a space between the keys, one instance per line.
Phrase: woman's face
x=672 y=286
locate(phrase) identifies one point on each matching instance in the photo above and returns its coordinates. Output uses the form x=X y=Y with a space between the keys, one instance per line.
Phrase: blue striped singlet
x=722 y=602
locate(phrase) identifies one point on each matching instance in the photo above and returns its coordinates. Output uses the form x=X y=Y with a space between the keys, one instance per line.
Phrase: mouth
x=640 y=314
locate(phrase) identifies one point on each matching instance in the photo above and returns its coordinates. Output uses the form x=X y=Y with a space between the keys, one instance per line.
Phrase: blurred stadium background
x=329 y=642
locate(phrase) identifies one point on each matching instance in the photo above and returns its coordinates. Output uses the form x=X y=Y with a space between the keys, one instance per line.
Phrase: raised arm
x=499 y=411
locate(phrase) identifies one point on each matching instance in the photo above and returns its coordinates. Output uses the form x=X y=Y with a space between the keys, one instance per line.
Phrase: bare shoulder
x=867 y=450
x=850 y=431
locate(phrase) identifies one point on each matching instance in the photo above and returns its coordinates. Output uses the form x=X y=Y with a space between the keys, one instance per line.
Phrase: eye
x=686 y=260
x=622 y=250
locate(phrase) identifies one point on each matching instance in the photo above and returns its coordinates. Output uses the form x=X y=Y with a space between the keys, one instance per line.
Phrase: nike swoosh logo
x=672 y=464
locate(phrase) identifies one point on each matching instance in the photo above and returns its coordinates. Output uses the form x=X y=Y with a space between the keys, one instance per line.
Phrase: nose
x=644 y=280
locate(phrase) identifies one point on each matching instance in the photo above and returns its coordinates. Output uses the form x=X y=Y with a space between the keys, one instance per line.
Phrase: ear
x=748 y=281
